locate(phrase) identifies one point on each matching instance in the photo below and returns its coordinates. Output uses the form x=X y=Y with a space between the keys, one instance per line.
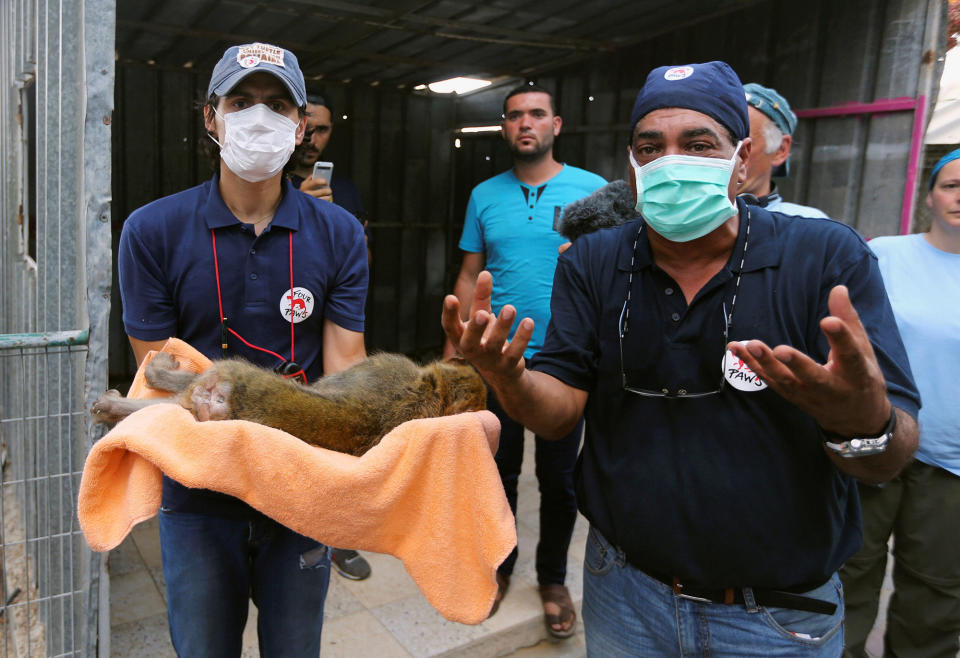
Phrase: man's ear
x=503 y=129
x=631 y=175
x=743 y=156
x=781 y=154
x=557 y=124
x=301 y=129
x=209 y=119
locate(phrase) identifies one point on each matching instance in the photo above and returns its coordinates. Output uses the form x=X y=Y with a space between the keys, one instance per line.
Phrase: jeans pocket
x=810 y=628
x=599 y=556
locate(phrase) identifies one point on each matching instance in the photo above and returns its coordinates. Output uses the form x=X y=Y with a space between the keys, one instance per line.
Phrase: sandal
x=503 y=583
x=560 y=596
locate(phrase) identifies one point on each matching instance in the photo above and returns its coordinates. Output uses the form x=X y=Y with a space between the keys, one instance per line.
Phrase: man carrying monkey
x=510 y=228
x=738 y=370
x=245 y=266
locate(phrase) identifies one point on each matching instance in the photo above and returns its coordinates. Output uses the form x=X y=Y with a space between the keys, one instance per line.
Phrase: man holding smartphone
x=338 y=189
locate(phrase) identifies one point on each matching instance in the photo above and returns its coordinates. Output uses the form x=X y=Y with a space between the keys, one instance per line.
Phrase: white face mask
x=257 y=142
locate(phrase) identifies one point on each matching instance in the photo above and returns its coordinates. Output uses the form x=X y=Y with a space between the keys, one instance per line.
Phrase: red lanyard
x=285 y=370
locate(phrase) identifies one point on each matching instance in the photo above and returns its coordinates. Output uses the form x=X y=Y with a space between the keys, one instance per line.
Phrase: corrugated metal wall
x=399 y=147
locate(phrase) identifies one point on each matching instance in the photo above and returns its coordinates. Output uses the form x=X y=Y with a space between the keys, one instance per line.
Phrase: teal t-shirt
x=514 y=226
x=923 y=284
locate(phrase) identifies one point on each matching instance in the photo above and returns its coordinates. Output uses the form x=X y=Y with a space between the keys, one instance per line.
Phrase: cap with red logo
x=240 y=61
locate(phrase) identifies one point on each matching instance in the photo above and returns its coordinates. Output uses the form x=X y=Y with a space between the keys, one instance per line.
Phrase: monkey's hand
x=162 y=373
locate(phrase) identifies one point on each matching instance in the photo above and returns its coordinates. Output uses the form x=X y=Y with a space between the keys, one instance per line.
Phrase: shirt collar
x=773 y=197
x=217 y=215
x=763 y=250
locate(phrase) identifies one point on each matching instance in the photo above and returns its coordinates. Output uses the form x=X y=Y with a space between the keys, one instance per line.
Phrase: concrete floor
x=384 y=616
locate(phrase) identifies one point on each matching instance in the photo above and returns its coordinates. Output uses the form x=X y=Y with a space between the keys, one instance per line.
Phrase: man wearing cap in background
x=717 y=471
x=245 y=266
x=772 y=123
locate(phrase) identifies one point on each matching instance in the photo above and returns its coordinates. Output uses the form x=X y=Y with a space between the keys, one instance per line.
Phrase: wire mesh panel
x=42 y=446
x=56 y=100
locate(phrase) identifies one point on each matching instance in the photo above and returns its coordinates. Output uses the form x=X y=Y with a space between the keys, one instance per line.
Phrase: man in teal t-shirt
x=510 y=228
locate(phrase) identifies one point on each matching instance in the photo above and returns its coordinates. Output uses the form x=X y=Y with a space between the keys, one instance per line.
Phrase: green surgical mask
x=684 y=197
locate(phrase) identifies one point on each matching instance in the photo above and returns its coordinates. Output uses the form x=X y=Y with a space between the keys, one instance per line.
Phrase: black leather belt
x=765 y=597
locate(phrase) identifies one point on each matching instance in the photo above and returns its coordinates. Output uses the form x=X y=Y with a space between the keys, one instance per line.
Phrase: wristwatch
x=862 y=446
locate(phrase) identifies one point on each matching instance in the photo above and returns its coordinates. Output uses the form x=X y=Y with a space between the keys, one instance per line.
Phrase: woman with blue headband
x=921 y=507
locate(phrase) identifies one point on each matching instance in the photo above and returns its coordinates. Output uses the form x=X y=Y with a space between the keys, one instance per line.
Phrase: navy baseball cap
x=711 y=88
x=240 y=61
x=773 y=105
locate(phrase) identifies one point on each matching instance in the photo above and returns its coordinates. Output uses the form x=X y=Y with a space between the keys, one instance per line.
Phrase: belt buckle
x=678 y=591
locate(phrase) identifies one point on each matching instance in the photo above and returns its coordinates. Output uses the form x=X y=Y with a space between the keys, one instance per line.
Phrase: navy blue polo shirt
x=729 y=490
x=168 y=285
x=345 y=194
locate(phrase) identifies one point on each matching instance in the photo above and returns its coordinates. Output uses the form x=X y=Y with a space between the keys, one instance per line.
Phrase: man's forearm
x=540 y=402
x=875 y=469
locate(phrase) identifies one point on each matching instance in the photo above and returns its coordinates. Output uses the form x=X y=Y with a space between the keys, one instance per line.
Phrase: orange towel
x=428 y=494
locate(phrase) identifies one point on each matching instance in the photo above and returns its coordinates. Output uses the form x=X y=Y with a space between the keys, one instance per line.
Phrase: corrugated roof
x=402 y=43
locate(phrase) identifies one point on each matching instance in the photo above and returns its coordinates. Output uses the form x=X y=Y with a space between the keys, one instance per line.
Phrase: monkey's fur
x=348 y=411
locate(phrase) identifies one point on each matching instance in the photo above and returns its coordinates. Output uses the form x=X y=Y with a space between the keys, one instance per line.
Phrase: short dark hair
x=317 y=98
x=530 y=88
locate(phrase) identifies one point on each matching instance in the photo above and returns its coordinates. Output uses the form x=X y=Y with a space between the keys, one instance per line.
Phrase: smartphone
x=323 y=170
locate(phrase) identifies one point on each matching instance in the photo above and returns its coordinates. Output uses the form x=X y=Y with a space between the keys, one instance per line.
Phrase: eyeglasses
x=623 y=329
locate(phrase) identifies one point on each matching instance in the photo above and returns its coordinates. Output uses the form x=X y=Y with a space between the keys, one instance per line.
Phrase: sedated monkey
x=348 y=411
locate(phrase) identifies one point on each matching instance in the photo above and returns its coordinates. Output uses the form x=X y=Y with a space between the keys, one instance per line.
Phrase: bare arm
x=142 y=347
x=463 y=290
x=341 y=347
x=846 y=396
x=539 y=401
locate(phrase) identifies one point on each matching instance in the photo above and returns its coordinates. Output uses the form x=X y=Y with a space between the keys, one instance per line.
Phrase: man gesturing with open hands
x=737 y=370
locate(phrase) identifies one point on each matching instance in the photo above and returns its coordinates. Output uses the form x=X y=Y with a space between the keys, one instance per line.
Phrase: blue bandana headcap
x=949 y=157
x=711 y=88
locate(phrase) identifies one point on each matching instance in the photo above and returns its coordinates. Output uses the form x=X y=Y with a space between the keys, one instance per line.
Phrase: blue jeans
x=214 y=565
x=628 y=613
x=555 y=461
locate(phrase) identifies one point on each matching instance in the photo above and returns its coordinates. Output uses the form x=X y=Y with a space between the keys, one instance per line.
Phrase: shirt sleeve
x=347 y=296
x=148 y=308
x=472 y=237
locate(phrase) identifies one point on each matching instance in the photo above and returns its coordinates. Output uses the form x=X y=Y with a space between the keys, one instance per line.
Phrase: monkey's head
x=458 y=386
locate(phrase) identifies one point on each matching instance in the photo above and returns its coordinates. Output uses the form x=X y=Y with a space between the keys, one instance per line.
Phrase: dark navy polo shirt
x=732 y=489
x=345 y=194
x=168 y=283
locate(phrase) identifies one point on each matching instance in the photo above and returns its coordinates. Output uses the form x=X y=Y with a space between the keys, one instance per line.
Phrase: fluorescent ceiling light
x=480 y=129
x=457 y=85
